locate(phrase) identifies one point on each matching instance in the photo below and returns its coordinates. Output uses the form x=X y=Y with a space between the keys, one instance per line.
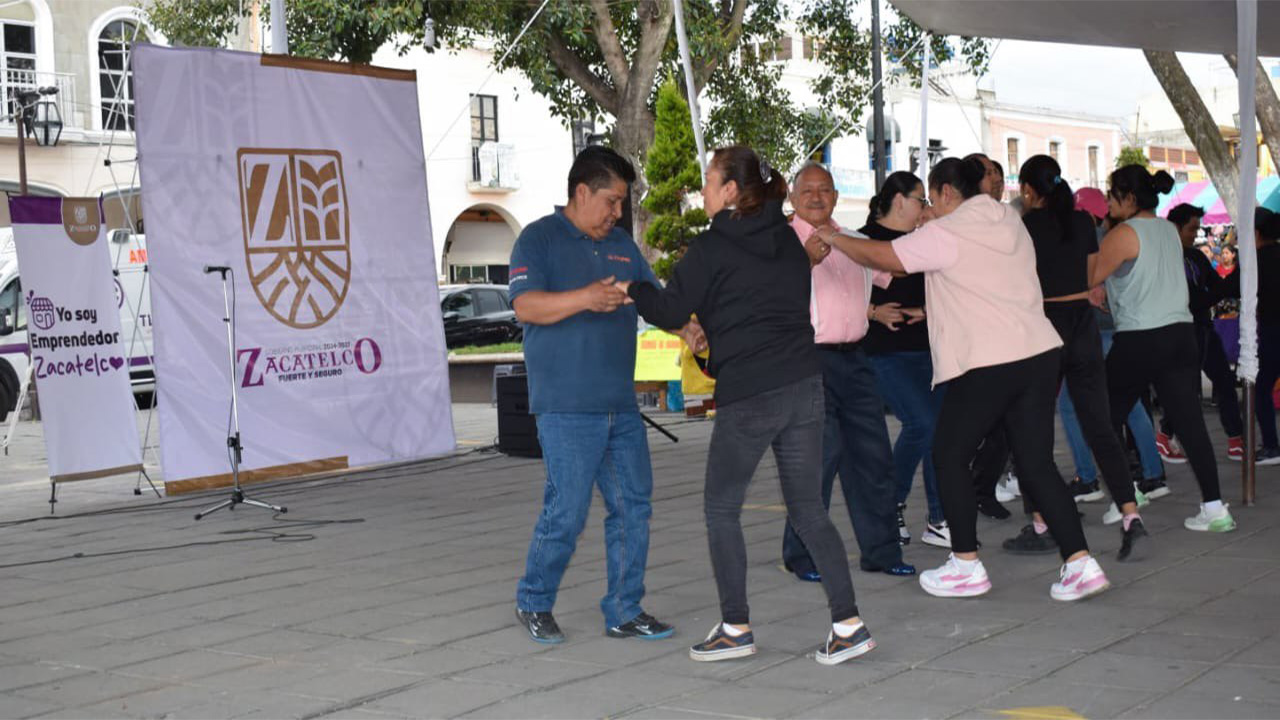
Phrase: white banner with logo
x=73 y=327
x=308 y=180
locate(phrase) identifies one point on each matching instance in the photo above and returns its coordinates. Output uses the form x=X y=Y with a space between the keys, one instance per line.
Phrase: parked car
x=478 y=315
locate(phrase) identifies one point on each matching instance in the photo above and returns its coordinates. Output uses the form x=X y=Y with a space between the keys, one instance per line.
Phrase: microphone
x=216 y=268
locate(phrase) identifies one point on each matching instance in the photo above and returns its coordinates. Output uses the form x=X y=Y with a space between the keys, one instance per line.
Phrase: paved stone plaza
x=389 y=595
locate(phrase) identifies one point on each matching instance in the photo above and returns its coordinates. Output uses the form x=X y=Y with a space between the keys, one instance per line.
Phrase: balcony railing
x=493 y=168
x=15 y=81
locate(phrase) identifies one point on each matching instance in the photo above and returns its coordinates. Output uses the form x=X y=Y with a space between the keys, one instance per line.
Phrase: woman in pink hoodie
x=1000 y=357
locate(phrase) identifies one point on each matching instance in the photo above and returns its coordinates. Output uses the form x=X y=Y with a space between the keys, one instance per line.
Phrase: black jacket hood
x=761 y=234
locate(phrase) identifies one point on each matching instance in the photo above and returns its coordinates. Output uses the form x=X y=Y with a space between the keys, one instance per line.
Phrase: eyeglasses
x=924 y=202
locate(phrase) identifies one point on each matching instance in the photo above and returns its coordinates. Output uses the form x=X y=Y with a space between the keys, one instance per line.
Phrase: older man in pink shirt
x=855 y=442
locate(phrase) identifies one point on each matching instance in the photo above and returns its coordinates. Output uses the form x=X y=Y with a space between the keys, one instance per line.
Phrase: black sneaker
x=904 y=535
x=541 y=626
x=720 y=645
x=644 y=626
x=1030 y=542
x=1267 y=456
x=838 y=649
x=1133 y=543
x=1153 y=488
x=992 y=508
x=1085 y=491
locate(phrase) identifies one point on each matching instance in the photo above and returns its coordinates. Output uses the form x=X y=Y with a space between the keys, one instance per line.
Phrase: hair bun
x=1163 y=182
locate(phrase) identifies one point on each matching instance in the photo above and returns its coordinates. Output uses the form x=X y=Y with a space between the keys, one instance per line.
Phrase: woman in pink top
x=999 y=356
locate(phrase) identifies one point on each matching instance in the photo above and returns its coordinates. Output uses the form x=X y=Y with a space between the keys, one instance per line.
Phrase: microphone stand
x=233 y=440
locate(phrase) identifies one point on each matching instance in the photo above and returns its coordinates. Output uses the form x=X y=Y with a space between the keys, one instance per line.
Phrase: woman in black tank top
x=1065 y=241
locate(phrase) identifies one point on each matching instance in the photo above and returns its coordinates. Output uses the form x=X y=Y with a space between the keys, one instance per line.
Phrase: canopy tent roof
x=1203 y=195
x=1204 y=26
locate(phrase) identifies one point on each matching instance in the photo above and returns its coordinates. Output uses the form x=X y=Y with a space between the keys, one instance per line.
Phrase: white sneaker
x=1008 y=490
x=1206 y=521
x=1113 y=514
x=956 y=578
x=937 y=535
x=1079 y=580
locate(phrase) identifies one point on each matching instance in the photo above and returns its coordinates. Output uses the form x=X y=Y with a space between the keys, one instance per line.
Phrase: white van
x=133 y=297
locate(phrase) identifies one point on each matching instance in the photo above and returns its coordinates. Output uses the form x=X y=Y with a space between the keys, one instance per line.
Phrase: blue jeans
x=904 y=380
x=855 y=445
x=1139 y=422
x=582 y=451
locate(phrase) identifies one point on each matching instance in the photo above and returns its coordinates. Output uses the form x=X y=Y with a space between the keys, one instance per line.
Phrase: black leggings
x=1168 y=358
x=1085 y=371
x=1022 y=395
x=1214 y=363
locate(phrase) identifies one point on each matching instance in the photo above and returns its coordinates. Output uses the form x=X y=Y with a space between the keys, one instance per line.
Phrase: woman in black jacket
x=747 y=279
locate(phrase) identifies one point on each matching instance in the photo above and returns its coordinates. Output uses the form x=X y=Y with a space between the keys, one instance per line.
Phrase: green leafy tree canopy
x=673 y=172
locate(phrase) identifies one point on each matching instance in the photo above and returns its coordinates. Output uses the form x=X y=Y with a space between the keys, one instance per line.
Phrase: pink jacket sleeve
x=929 y=249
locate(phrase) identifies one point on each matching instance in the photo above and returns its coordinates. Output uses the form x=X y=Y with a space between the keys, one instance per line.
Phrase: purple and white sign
x=74 y=333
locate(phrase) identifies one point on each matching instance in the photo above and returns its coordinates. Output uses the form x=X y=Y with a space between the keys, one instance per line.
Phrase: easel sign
x=77 y=357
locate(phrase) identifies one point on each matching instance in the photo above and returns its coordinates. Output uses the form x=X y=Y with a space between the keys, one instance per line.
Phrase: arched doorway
x=478 y=246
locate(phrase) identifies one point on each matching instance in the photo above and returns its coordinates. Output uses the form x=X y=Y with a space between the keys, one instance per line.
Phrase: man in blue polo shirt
x=580 y=351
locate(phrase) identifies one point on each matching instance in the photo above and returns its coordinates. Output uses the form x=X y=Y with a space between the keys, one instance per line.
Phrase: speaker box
x=517 y=431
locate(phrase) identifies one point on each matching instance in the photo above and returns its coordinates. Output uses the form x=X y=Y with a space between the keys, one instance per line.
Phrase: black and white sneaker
x=542 y=627
x=1153 y=488
x=643 y=626
x=837 y=649
x=1267 y=456
x=937 y=535
x=720 y=645
x=1085 y=491
x=904 y=535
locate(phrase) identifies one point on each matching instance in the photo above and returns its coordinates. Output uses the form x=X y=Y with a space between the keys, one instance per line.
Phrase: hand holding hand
x=693 y=336
x=914 y=315
x=889 y=315
x=1098 y=297
x=817 y=249
x=605 y=296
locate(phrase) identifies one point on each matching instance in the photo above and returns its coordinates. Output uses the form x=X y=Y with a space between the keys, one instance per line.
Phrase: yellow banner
x=657 y=356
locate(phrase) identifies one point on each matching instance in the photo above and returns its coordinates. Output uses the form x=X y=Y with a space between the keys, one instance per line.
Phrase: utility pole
x=877 y=97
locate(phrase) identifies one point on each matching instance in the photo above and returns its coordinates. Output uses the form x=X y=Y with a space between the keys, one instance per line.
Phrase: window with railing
x=484 y=127
x=115 y=76
x=18 y=59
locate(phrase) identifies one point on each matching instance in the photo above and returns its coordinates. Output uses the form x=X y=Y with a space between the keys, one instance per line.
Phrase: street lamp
x=38 y=118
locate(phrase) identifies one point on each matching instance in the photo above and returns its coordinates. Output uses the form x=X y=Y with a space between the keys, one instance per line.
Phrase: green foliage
x=1130 y=155
x=203 y=24
x=672 y=170
x=565 y=55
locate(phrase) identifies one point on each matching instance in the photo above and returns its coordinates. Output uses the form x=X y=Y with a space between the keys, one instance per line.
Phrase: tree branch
x=655 y=28
x=731 y=29
x=607 y=38
x=568 y=62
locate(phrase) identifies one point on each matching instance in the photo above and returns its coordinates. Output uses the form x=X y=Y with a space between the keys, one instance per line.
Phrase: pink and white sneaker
x=956 y=578
x=1080 y=579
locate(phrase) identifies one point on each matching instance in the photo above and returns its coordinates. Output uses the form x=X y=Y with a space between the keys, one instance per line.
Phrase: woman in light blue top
x=1141 y=262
